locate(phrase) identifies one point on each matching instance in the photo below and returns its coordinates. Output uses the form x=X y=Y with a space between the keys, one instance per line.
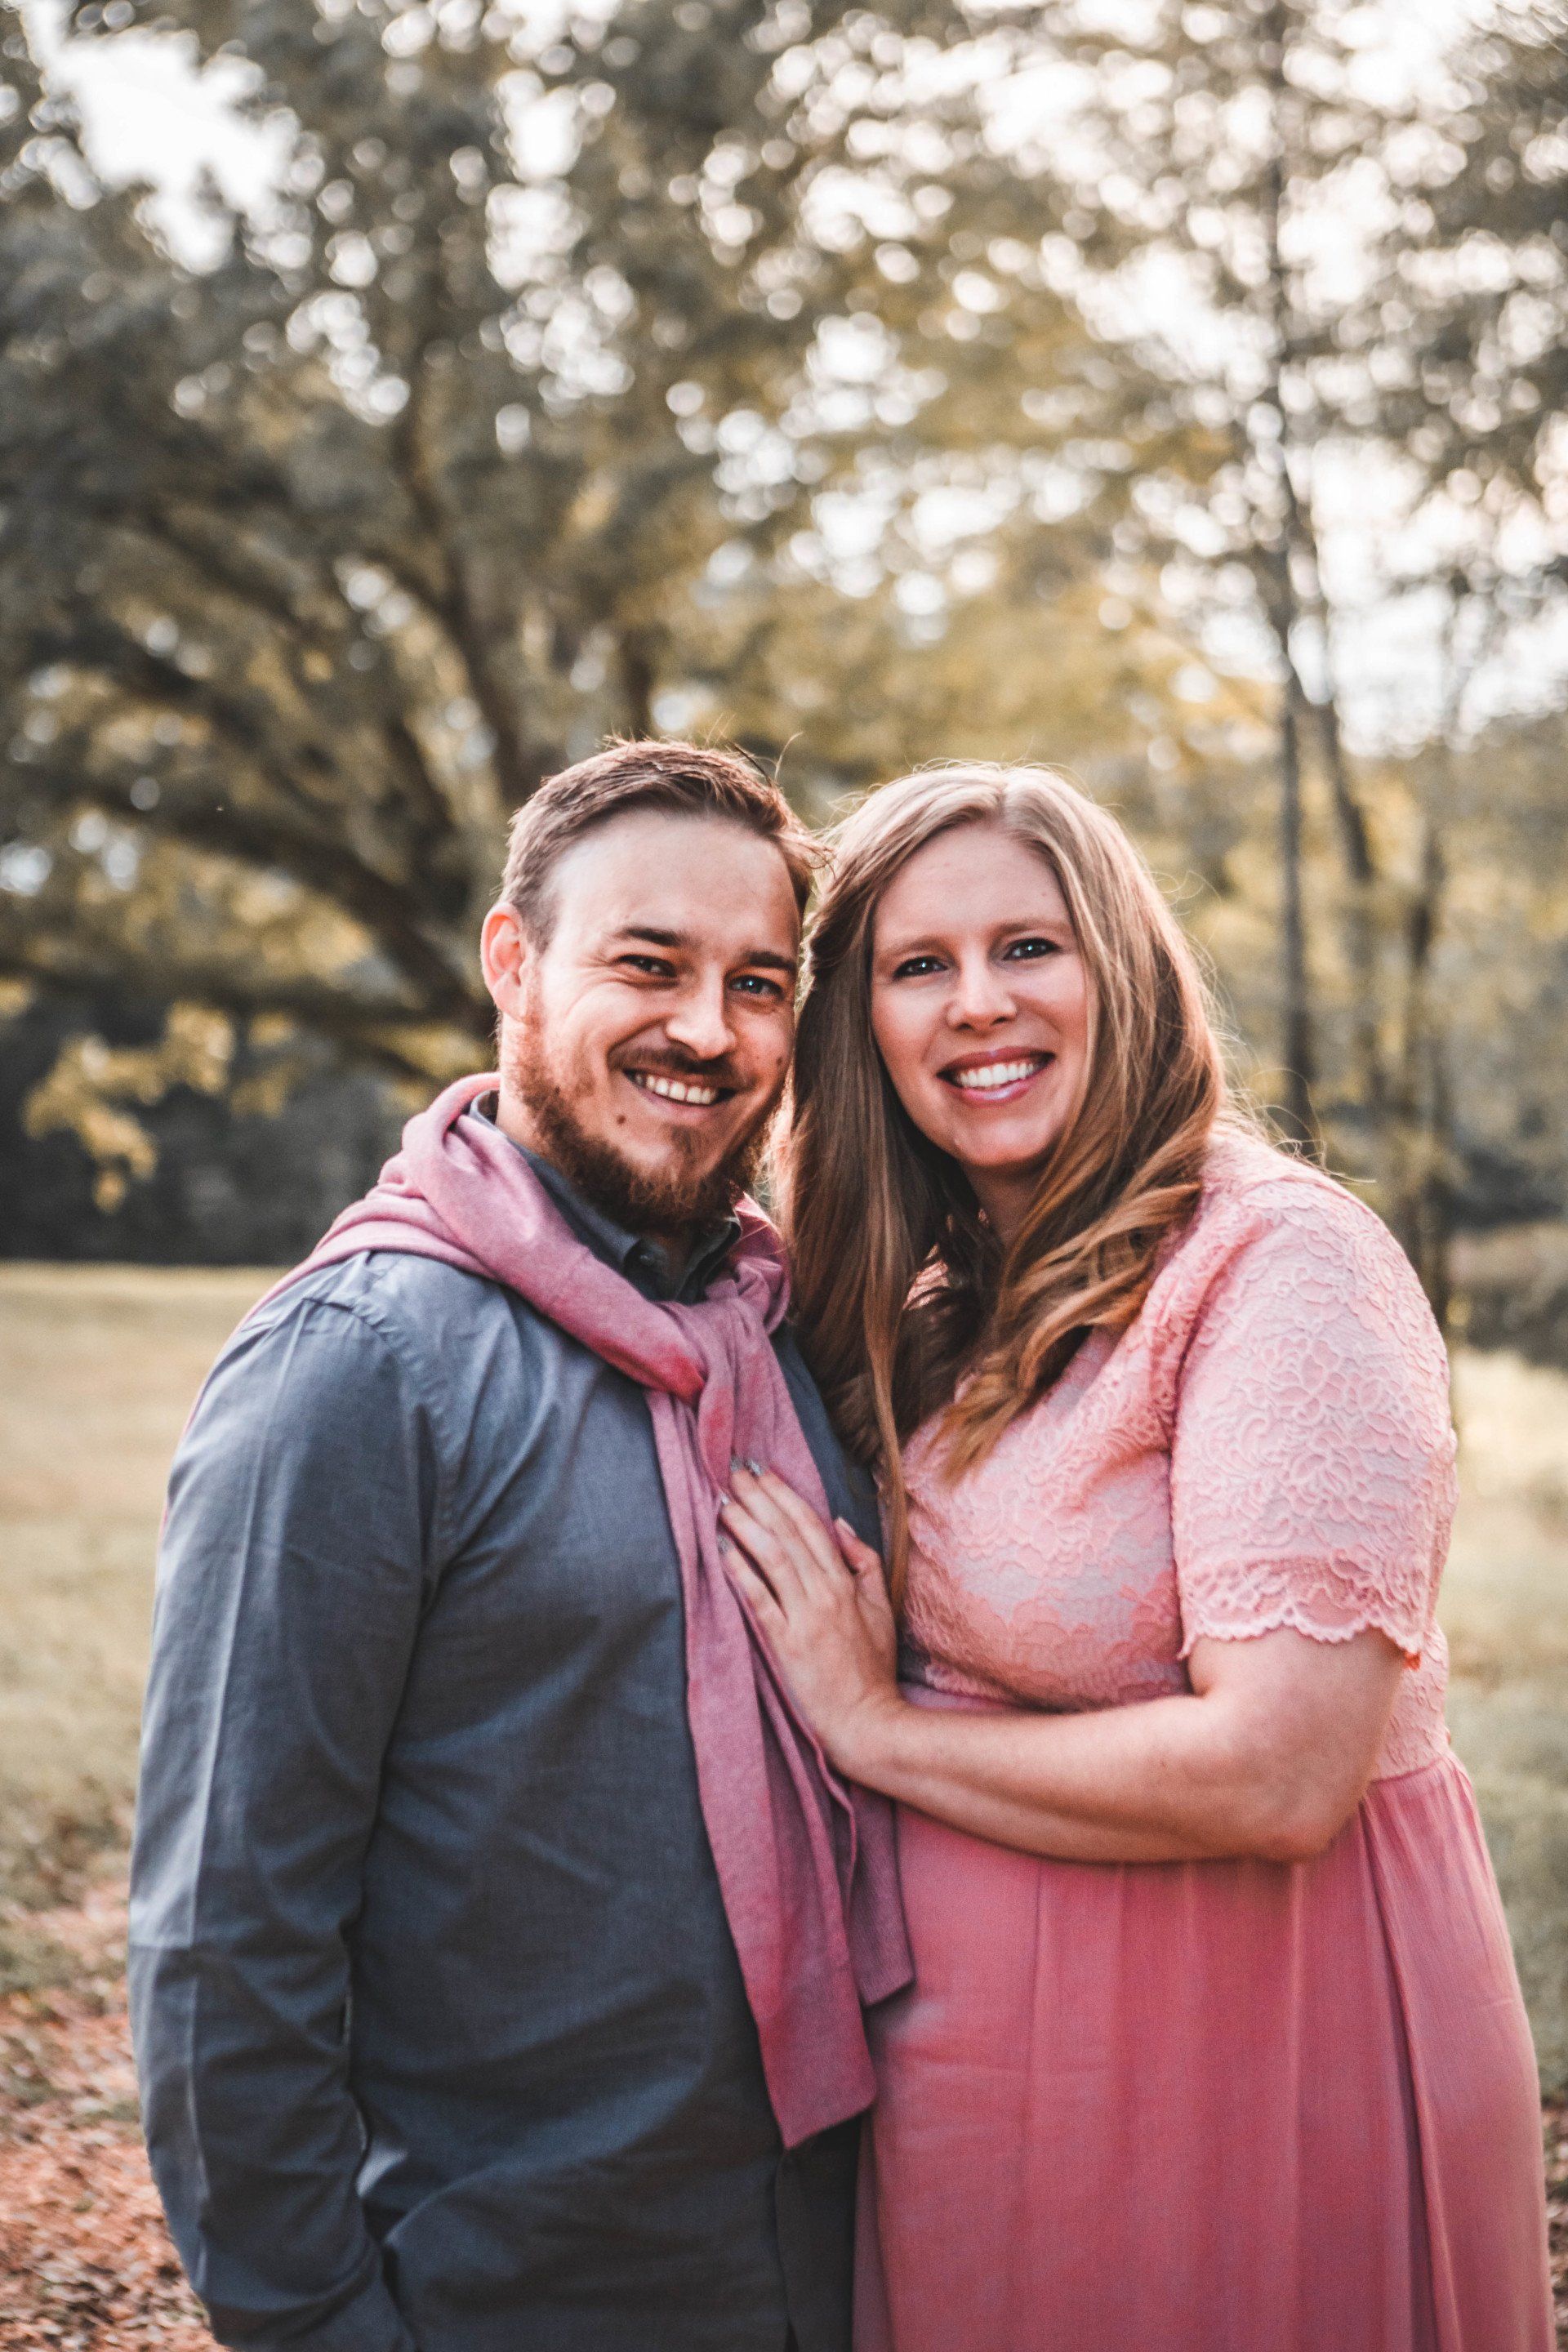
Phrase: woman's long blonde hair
x=902 y=1289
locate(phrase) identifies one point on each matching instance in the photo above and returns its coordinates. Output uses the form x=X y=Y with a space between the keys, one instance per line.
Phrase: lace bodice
x=1268 y=1444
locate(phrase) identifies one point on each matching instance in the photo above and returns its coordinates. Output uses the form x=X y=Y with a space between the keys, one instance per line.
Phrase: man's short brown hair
x=688 y=779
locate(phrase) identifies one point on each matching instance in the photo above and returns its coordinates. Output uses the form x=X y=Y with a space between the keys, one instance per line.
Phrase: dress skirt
x=1208 y=2106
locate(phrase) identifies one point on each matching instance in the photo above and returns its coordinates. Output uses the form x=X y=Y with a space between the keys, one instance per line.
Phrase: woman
x=1216 y=2044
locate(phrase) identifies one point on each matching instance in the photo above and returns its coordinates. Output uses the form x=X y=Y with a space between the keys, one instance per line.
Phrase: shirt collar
x=641 y=1260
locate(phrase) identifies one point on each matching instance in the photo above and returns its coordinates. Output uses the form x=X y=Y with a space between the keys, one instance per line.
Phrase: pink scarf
x=806 y=1864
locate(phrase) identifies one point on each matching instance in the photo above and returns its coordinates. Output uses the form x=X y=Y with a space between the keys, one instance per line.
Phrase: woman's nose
x=981 y=997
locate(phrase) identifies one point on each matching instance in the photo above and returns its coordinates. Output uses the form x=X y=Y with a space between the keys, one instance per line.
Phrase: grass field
x=1505 y=1611
x=98 y=1368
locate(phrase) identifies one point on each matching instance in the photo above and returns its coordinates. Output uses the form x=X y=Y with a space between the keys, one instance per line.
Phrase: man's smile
x=680 y=1090
x=683 y=1095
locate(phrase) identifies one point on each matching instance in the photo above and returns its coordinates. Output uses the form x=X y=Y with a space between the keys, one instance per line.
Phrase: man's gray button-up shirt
x=443 y=2040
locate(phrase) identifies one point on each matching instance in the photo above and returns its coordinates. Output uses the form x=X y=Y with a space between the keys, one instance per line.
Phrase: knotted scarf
x=806 y=1864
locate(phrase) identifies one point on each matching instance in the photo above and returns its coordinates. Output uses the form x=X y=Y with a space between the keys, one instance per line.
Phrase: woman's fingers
x=860 y=1556
x=758 y=1592
x=871 y=1594
x=799 y=1574
x=768 y=1499
x=829 y=1628
x=769 y=1532
x=738 y=1556
x=795 y=1523
x=773 y=1552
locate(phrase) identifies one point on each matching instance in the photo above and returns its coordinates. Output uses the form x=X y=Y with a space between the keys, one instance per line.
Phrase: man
x=464 y=1998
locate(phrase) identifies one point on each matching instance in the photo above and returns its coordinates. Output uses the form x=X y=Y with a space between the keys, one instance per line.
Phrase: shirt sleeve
x=1312 y=1461
x=301 y=1513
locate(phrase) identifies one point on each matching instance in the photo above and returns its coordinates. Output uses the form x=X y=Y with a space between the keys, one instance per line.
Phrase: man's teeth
x=674 y=1089
x=999 y=1074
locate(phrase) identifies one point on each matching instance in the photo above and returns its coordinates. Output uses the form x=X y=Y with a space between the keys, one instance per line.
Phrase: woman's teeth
x=674 y=1089
x=999 y=1074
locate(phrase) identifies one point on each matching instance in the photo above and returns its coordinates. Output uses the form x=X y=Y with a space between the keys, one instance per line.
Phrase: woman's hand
x=820 y=1599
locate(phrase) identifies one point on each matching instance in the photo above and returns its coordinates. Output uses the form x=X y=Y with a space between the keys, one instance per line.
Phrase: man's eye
x=655 y=966
x=753 y=983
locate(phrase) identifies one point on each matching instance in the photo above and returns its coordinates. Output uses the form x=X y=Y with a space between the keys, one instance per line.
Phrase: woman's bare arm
x=1268 y=1756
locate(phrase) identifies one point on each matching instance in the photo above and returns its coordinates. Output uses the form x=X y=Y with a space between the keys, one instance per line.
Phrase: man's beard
x=662 y=1201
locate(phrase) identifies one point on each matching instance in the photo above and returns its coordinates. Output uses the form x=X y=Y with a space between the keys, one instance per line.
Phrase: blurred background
x=398 y=396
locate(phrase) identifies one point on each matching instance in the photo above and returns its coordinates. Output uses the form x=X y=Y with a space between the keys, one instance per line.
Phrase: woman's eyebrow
x=893 y=948
x=925 y=942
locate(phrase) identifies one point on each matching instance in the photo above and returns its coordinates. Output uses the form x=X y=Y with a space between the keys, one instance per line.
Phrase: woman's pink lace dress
x=1209 y=2107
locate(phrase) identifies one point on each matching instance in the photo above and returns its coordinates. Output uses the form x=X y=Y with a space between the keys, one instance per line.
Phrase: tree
x=875 y=384
x=1224 y=150
x=315 y=564
x=1474 y=378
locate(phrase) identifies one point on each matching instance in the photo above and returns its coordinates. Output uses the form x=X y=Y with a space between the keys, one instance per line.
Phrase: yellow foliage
x=263 y=1093
x=88 y=1092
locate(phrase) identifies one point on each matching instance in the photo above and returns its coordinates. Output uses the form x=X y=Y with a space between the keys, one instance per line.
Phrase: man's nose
x=981 y=997
x=701 y=1021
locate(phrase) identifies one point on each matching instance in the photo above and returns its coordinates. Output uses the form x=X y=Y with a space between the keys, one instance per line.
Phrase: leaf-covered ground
x=85 y=2262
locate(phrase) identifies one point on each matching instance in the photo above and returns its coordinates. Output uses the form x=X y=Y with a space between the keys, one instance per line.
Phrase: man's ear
x=504 y=953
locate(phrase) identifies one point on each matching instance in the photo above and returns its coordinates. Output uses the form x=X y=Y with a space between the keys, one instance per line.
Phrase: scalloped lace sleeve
x=1312 y=1461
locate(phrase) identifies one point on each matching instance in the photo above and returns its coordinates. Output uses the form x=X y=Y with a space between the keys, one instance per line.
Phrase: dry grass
x=97 y=1369
x=1505 y=1609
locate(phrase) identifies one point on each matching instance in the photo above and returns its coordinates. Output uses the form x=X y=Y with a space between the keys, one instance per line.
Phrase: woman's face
x=980 y=1006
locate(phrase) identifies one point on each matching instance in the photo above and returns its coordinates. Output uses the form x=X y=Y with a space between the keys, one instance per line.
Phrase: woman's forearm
x=1174 y=1779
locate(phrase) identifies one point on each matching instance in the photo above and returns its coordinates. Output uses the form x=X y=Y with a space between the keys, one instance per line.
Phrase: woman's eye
x=917 y=966
x=1032 y=948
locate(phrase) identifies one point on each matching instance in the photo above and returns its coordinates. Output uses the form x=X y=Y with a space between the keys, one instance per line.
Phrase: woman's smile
x=986 y=1080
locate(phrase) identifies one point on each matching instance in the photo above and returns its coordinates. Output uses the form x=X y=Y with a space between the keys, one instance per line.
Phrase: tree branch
x=455 y=604
x=319 y=862
x=371 y=1031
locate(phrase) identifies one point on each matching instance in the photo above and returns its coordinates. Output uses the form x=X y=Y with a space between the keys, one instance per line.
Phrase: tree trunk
x=1360 y=922
x=634 y=663
x=1423 y=1109
x=1298 y=1040
x=1422 y=1207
